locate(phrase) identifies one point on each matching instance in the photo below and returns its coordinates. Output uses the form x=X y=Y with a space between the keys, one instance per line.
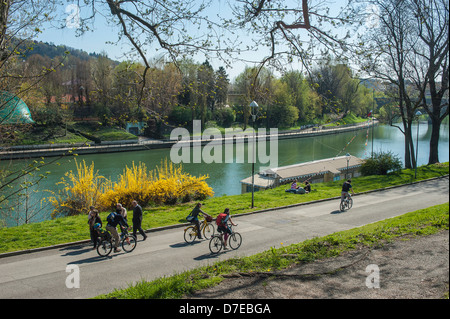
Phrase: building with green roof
x=13 y=110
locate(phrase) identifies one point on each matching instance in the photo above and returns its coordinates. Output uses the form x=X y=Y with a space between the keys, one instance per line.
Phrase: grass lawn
x=48 y=135
x=75 y=228
x=104 y=133
x=348 y=119
x=421 y=222
x=56 y=135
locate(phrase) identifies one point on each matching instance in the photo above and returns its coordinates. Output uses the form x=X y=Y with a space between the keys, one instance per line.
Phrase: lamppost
x=373 y=110
x=418 y=113
x=348 y=160
x=253 y=110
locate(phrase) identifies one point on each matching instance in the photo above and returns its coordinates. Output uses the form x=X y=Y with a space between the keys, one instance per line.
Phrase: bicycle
x=106 y=242
x=346 y=203
x=216 y=243
x=206 y=227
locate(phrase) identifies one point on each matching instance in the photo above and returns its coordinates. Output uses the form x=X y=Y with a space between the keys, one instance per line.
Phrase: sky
x=103 y=36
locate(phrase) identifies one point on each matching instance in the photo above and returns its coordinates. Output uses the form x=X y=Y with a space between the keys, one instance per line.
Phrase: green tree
x=102 y=69
x=303 y=97
x=205 y=86
x=253 y=84
x=332 y=82
x=221 y=86
x=162 y=90
x=280 y=111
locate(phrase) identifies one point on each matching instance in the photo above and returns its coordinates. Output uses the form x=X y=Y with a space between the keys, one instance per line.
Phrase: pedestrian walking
x=137 y=220
x=93 y=218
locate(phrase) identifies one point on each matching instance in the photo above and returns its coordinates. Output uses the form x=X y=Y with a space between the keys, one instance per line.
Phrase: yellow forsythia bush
x=81 y=190
x=167 y=184
x=133 y=184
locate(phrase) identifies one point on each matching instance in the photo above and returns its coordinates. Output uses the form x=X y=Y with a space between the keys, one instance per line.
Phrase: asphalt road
x=45 y=274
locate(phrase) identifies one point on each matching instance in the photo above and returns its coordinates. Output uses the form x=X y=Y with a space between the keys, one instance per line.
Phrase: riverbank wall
x=52 y=150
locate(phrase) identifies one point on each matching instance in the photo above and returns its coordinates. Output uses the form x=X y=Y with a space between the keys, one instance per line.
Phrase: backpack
x=220 y=219
x=346 y=187
x=111 y=218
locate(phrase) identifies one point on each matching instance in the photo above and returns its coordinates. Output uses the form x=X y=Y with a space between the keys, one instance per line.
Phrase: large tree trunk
x=434 y=140
x=4 y=11
x=409 y=147
x=437 y=114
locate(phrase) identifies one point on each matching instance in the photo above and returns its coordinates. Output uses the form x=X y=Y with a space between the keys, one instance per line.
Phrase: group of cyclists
x=119 y=218
x=223 y=218
x=221 y=221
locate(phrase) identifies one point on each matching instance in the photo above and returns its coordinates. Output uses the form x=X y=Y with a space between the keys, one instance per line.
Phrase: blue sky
x=102 y=33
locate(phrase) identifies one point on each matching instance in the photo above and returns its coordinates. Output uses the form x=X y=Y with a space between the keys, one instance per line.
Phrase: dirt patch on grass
x=404 y=269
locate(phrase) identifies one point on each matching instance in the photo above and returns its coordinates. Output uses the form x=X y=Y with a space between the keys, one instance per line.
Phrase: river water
x=225 y=178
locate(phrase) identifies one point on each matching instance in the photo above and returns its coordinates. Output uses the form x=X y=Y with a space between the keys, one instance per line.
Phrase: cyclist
x=221 y=222
x=346 y=187
x=194 y=213
x=115 y=219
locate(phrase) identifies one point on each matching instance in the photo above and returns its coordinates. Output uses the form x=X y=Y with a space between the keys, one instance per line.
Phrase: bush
x=180 y=115
x=224 y=116
x=381 y=164
x=168 y=185
x=81 y=190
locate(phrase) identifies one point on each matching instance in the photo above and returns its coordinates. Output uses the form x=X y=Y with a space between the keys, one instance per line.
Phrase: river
x=225 y=178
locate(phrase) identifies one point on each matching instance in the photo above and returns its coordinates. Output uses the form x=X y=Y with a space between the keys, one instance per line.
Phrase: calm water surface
x=225 y=178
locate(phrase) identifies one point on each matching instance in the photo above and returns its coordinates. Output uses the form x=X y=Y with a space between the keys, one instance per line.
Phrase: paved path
x=43 y=274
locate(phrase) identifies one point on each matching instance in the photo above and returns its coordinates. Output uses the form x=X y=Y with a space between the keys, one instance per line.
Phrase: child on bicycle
x=221 y=222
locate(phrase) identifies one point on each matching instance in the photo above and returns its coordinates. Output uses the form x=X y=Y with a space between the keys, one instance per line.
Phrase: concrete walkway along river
x=44 y=274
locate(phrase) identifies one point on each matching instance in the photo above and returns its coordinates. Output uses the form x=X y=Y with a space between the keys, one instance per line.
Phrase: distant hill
x=51 y=50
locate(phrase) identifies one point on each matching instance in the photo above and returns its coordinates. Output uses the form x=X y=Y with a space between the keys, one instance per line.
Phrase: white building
x=325 y=170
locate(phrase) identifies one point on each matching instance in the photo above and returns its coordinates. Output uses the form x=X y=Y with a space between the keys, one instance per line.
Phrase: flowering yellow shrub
x=81 y=190
x=167 y=184
x=133 y=184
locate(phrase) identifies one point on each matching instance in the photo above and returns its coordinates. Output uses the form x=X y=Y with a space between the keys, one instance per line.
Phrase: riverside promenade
x=51 y=150
x=43 y=274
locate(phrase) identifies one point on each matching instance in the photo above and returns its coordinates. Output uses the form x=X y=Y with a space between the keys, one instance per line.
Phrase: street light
x=348 y=160
x=253 y=111
x=418 y=113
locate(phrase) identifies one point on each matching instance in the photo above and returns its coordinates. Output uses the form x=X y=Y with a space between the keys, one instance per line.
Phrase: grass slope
x=421 y=222
x=75 y=228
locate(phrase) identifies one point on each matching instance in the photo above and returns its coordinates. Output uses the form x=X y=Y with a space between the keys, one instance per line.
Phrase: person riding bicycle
x=221 y=222
x=346 y=187
x=115 y=219
x=194 y=214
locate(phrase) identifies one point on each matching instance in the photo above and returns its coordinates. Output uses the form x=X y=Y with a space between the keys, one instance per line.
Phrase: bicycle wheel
x=235 y=241
x=208 y=231
x=104 y=248
x=215 y=244
x=129 y=243
x=342 y=206
x=190 y=234
x=350 y=203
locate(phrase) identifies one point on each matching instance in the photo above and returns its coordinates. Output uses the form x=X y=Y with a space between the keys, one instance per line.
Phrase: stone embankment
x=49 y=150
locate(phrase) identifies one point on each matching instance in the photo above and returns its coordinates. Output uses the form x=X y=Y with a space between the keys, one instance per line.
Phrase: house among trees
x=324 y=170
x=136 y=128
